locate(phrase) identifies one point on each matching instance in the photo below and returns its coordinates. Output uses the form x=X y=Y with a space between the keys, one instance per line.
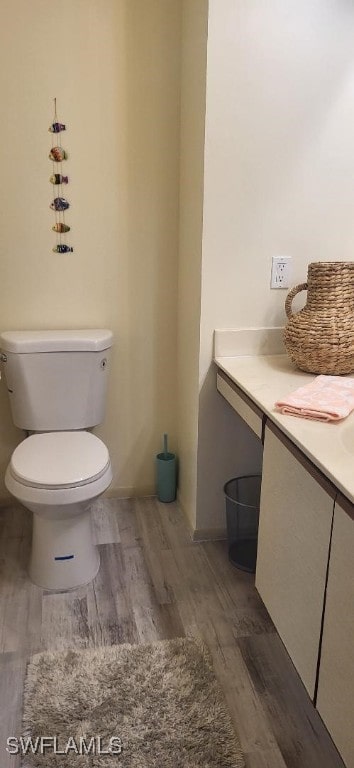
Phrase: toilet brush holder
x=166 y=474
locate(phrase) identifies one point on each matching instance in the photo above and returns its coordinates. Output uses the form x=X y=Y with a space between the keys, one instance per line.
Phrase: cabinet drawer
x=240 y=403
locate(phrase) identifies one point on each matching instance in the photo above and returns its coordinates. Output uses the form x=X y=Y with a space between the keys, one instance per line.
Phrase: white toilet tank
x=57 y=380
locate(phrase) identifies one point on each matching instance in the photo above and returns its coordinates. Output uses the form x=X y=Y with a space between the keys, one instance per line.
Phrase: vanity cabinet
x=336 y=676
x=305 y=561
x=293 y=545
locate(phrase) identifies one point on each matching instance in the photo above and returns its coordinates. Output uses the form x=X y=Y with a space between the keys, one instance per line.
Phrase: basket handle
x=291 y=295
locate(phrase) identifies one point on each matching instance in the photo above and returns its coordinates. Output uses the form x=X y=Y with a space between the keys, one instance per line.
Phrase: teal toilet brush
x=166 y=474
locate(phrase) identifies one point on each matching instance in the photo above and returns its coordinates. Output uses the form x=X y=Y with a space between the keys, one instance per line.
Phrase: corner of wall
x=193 y=99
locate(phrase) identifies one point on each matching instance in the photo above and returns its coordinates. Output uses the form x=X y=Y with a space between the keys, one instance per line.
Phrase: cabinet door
x=335 y=700
x=293 y=545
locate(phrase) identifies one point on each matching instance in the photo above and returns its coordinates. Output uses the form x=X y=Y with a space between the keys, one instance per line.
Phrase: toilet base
x=63 y=554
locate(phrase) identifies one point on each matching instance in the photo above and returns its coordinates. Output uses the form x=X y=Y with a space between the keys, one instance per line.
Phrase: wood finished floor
x=154 y=583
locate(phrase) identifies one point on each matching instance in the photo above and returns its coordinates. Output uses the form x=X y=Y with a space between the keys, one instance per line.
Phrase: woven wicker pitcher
x=320 y=338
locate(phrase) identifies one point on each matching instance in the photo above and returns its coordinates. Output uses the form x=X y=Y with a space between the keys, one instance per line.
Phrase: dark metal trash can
x=242 y=496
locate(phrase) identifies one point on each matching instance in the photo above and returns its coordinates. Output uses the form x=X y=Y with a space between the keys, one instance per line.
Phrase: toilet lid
x=59 y=459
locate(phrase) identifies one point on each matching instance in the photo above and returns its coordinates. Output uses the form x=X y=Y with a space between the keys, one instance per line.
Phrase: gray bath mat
x=160 y=702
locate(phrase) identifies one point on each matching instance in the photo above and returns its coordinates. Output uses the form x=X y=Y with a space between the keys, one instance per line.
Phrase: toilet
x=57 y=383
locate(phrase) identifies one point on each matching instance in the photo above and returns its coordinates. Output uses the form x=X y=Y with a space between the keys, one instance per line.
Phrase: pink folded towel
x=326 y=398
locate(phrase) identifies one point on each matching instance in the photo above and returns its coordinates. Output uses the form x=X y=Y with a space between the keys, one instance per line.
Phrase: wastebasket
x=242 y=496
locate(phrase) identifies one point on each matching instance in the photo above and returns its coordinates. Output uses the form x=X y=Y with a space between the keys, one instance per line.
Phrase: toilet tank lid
x=26 y=342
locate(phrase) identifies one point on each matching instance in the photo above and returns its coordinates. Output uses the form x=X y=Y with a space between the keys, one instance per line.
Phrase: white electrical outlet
x=281 y=272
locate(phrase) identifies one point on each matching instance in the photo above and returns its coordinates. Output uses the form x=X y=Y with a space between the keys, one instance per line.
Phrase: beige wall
x=279 y=170
x=114 y=67
x=193 y=84
x=278 y=180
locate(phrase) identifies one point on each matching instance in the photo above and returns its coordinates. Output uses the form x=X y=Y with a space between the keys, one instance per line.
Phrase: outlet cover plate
x=281 y=272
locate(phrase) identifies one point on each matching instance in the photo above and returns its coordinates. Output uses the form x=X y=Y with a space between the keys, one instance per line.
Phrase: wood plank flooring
x=154 y=583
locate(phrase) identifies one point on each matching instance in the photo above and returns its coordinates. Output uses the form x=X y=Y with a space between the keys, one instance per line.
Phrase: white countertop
x=329 y=445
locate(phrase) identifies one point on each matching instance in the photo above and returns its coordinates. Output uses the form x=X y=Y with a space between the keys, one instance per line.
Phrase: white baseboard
x=130 y=491
x=209 y=534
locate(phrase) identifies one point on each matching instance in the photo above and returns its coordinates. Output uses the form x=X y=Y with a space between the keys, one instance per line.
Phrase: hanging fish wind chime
x=59 y=205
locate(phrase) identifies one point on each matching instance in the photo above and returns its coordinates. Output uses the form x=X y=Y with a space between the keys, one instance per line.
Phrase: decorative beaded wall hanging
x=58 y=179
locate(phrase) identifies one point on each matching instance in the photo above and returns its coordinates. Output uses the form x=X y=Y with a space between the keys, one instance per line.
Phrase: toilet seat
x=59 y=468
x=56 y=460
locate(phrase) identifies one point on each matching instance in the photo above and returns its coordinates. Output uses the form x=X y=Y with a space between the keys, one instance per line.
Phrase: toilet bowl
x=57 y=475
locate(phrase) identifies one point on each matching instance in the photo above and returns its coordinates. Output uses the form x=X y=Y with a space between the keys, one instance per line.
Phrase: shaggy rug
x=160 y=702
